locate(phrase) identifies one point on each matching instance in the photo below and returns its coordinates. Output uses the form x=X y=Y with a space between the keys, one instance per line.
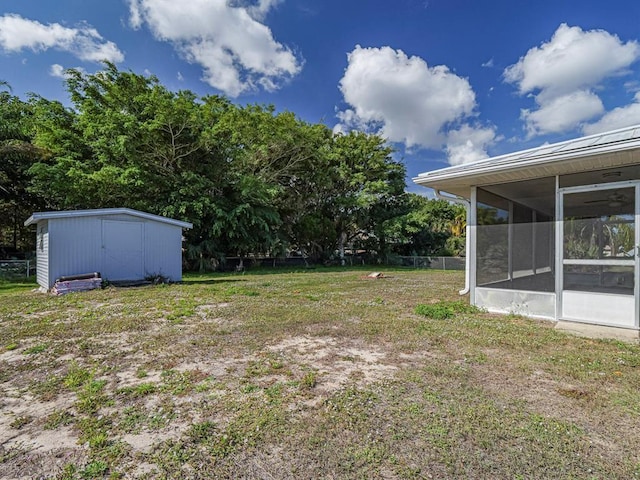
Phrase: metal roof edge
x=547 y=153
x=37 y=216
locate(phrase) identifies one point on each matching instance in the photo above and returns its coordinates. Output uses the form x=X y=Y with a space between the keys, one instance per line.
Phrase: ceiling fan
x=614 y=199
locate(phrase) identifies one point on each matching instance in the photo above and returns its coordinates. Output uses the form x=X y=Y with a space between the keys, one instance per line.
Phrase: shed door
x=122 y=250
x=599 y=261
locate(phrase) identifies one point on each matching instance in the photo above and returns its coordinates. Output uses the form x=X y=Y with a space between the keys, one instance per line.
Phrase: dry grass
x=317 y=374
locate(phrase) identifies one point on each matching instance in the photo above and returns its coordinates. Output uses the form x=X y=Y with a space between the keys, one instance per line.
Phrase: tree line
x=252 y=181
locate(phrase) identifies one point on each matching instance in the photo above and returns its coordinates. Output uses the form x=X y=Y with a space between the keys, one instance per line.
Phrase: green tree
x=131 y=142
x=427 y=228
x=251 y=180
x=17 y=155
x=365 y=184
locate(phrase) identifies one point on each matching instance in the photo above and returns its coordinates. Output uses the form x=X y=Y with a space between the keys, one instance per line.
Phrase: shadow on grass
x=15 y=284
x=210 y=281
x=213 y=277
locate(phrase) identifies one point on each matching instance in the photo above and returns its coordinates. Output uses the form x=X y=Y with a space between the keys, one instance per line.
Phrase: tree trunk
x=342 y=240
x=15 y=227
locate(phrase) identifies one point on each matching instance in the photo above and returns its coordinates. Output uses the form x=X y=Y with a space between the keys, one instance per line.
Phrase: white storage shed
x=120 y=243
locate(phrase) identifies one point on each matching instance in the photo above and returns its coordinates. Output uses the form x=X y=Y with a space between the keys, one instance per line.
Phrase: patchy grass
x=306 y=374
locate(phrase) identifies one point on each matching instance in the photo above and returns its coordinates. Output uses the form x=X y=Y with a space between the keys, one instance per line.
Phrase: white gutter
x=467 y=208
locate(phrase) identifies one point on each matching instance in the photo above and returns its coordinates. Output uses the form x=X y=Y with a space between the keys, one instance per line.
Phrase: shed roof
x=37 y=216
x=595 y=152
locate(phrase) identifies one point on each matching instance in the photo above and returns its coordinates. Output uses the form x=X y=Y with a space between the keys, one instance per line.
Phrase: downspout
x=467 y=260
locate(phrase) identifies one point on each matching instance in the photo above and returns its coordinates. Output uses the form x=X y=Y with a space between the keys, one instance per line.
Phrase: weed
x=437 y=312
x=98 y=441
x=157 y=279
x=161 y=417
x=249 y=388
x=20 y=421
x=96 y=469
x=274 y=393
x=205 y=385
x=69 y=472
x=58 y=418
x=91 y=397
x=272 y=364
x=178 y=383
x=92 y=427
x=573 y=393
x=309 y=380
x=76 y=376
x=138 y=391
x=48 y=389
x=11 y=346
x=444 y=310
x=236 y=290
x=182 y=309
x=202 y=432
x=36 y=349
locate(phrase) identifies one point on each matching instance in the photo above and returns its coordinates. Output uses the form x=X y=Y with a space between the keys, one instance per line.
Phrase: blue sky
x=445 y=81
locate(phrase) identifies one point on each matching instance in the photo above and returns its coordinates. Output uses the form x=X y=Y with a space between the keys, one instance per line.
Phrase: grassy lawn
x=314 y=374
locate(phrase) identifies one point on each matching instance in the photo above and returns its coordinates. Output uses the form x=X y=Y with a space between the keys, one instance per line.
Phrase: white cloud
x=571 y=60
x=84 y=42
x=401 y=97
x=488 y=64
x=135 y=17
x=562 y=73
x=58 y=71
x=236 y=51
x=406 y=101
x=562 y=113
x=258 y=10
x=617 y=118
x=469 y=144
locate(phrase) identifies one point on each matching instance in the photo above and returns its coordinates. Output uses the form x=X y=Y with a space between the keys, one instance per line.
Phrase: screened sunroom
x=553 y=232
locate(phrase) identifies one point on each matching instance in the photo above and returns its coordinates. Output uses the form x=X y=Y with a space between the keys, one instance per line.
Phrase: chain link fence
x=17 y=268
x=435 y=263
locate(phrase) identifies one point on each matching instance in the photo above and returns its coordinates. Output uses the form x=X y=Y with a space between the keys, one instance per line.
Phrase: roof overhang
x=39 y=216
x=596 y=152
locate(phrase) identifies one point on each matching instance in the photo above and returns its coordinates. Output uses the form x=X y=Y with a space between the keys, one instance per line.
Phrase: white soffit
x=595 y=152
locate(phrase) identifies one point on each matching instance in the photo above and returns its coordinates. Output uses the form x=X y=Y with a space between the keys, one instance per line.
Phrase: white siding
x=42 y=254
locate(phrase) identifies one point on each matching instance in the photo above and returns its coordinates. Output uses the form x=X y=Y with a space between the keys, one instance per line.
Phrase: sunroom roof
x=595 y=152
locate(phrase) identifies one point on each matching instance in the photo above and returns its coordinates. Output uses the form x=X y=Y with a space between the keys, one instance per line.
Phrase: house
x=119 y=243
x=554 y=232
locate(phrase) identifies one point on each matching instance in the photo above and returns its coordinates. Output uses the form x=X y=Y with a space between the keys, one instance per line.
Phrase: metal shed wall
x=75 y=245
x=163 y=250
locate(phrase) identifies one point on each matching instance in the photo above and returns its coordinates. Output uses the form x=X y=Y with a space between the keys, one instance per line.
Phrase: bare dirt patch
x=336 y=362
